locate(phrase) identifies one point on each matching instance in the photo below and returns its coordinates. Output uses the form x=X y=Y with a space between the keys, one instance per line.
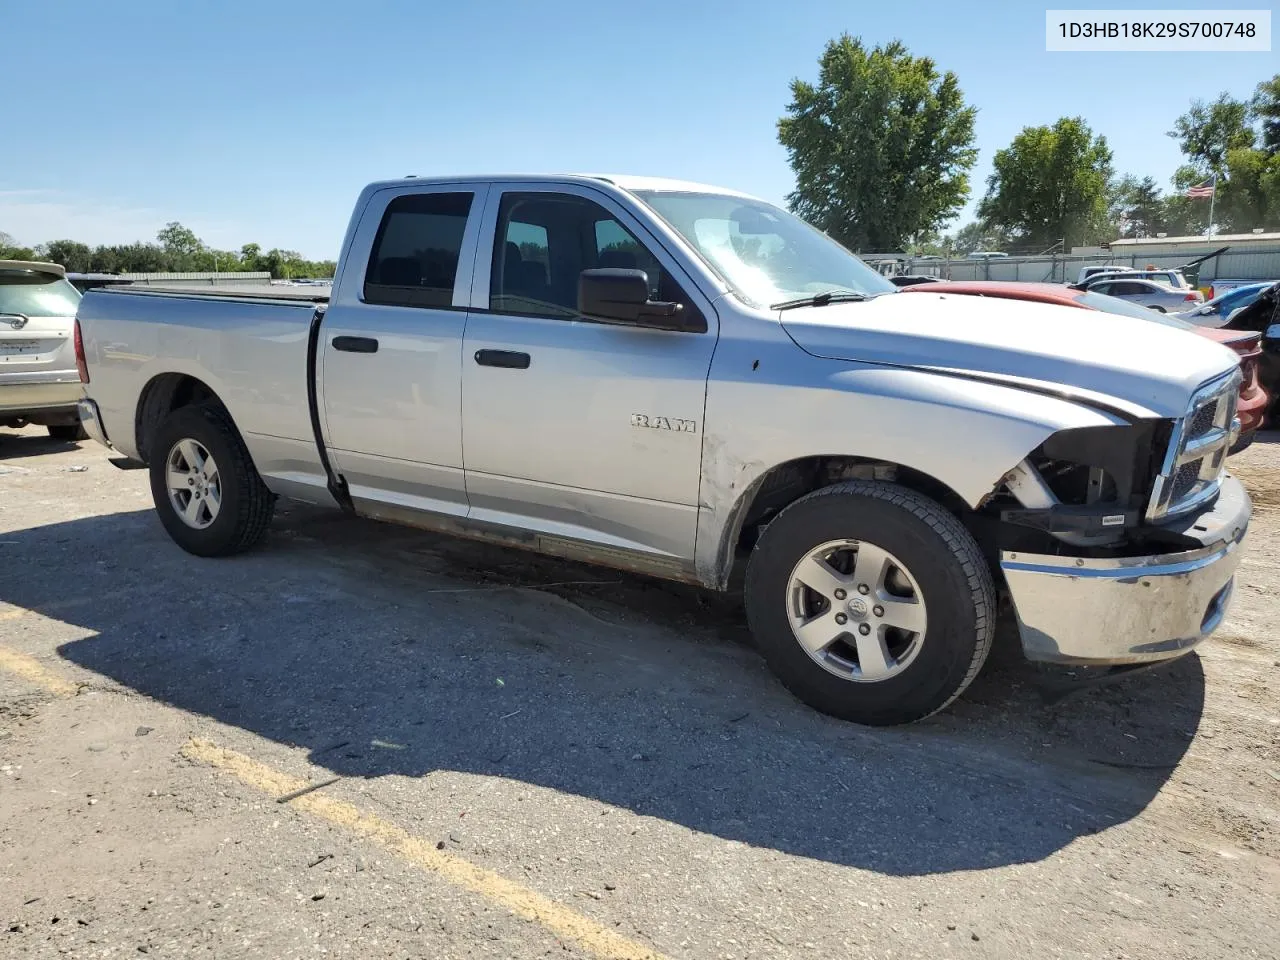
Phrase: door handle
x=503 y=358
x=355 y=344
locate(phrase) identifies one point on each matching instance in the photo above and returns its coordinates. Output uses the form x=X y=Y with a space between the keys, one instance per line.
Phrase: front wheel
x=871 y=602
x=205 y=487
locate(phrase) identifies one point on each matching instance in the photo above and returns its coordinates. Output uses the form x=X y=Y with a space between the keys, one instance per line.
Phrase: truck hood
x=1151 y=368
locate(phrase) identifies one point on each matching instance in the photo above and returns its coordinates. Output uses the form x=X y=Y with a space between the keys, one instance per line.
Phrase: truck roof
x=626 y=182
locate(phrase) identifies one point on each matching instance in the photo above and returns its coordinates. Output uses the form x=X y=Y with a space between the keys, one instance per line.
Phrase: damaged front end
x=1119 y=544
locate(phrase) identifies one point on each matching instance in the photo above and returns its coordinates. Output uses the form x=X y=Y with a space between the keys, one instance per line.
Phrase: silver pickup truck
x=687 y=382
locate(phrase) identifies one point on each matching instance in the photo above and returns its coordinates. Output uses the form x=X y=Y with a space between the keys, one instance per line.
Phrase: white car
x=39 y=382
x=1148 y=293
x=1170 y=278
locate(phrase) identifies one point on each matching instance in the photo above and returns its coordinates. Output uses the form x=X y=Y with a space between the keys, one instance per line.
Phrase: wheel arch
x=163 y=394
x=784 y=483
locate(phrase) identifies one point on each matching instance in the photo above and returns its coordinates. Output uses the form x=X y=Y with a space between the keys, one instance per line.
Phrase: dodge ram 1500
x=690 y=383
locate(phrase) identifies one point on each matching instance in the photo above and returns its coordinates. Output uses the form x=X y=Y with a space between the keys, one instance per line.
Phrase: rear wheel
x=68 y=432
x=206 y=490
x=871 y=602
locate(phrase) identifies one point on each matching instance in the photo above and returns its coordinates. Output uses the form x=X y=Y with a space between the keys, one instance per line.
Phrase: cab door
x=390 y=370
x=574 y=428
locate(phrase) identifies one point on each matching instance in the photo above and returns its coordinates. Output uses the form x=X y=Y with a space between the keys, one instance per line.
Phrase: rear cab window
x=414 y=260
x=35 y=294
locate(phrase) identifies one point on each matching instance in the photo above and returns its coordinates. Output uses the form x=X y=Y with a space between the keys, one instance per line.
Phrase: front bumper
x=1132 y=609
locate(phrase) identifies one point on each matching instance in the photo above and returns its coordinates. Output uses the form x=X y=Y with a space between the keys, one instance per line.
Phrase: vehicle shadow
x=14 y=445
x=381 y=650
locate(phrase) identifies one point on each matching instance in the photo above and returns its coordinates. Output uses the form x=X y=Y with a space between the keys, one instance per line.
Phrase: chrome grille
x=1192 y=470
x=1202 y=422
x=1184 y=480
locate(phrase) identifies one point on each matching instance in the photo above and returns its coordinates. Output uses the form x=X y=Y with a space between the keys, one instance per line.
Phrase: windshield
x=765 y=254
x=1100 y=301
x=37 y=294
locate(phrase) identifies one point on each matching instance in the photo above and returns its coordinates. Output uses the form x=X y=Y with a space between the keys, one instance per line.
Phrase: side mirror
x=622 y=296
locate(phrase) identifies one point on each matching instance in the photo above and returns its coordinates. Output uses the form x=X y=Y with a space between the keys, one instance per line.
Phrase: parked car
x=1254 y=401
x=1216 y=312
x=1221 y=285
x=688 y=382
x=1171 y=278
x=39 y=383
x=1262 y=317
x=1148 y=293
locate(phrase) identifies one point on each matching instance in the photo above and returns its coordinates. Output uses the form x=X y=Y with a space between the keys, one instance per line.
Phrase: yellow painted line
x=33 y=671
x=519 y=899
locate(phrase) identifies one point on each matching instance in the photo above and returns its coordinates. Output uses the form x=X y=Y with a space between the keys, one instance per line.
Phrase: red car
x=1254 y=400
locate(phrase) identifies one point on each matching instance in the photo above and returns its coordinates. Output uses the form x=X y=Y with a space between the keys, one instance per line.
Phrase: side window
x=1105 y=288
x=414 y=260
x=545 y=240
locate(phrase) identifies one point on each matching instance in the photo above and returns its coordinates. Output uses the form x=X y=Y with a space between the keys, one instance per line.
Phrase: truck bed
x=256 y=292
x=249 y=349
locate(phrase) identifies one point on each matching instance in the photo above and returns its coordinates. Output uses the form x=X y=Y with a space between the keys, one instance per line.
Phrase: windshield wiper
x=821 y=299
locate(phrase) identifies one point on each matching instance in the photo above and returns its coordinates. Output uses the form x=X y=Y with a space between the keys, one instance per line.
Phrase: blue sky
x=261 y=121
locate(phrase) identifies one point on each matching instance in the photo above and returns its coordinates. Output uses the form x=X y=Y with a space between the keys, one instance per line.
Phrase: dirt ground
x=513 y=757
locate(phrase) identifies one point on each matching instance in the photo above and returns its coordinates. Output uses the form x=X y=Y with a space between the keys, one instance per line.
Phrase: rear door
x=390 y=371
x=37 y=313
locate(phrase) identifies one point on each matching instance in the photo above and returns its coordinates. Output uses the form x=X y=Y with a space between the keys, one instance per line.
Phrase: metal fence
x=1235 y=264
x=250 y=278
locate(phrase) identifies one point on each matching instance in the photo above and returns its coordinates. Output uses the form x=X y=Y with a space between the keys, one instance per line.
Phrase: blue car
x=1217 y=311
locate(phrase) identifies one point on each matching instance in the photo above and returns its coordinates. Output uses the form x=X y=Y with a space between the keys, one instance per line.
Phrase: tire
x=937 y=581
x=68 y=432
x=243 y=503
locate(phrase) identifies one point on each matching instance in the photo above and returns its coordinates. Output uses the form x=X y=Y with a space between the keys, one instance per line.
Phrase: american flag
x=1203 y=189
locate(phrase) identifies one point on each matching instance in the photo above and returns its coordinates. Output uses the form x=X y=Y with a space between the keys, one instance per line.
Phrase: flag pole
x=1213 y=197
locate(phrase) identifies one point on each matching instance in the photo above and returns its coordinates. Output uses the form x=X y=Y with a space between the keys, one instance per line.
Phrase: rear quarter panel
x=251 y=354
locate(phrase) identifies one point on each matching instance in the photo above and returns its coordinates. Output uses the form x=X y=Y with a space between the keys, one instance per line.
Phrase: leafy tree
x=251 y=257
x=1051 y=183
x=1266 y=109
x=1208 y=131
x=974 y=236
x=881 y=145
x=75 y=256
x=1249 y=197
x=180 y=240
x=9 y=249
x=1137 y=208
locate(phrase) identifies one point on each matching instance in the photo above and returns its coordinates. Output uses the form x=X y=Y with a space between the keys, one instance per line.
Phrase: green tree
x=1137 y=208
x=881 y=145
x=1266 y=109
x=251 y=257
x=10 y=250
x=1207 y=132
x=76 y=257
x=1050 y=184
x=974 y=236
x=1249 y=197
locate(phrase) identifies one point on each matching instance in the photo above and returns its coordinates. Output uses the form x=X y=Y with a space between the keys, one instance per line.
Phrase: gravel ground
x=533 y=758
